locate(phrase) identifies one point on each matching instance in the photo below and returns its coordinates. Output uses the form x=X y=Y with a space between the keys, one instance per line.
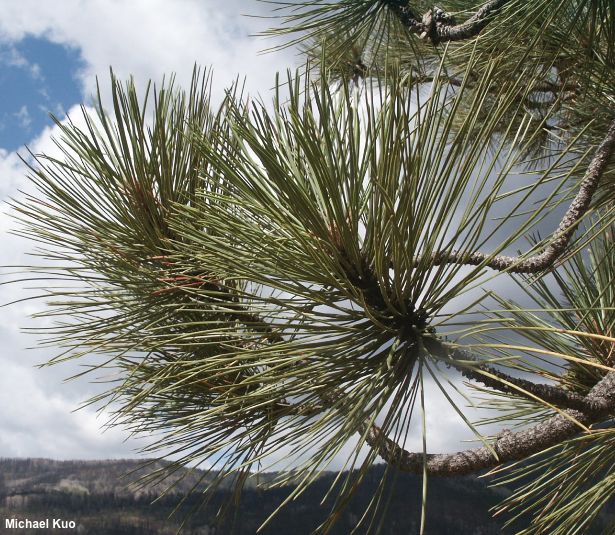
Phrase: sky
x=52 y=55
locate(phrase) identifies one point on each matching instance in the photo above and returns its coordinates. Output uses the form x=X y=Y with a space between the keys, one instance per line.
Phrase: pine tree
x=429 y=200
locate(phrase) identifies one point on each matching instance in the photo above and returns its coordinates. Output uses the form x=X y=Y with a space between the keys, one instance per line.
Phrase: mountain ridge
x=99 y=498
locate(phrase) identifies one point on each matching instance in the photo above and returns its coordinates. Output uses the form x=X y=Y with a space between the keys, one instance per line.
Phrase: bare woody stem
x=440 y=27
x=498 y=380
x=541 y=86
x=508 y=446
x=476 y=370
x=577 y=209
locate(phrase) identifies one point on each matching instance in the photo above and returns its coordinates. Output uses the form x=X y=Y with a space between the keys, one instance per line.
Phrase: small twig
x=439 y=26
x=562 y=236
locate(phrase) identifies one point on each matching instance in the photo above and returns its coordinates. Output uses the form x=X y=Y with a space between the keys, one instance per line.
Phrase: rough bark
x=503 y=382
x=438 y=26
x=507 y=447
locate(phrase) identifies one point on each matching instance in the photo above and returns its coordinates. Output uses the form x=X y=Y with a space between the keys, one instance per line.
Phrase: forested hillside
x=96 y=496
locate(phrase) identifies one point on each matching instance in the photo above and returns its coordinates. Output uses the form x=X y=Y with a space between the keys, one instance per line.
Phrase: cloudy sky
x=51 y=55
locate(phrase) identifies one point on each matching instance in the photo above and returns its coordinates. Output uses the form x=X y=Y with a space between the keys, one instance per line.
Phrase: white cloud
x=151 y=38
x=24 y=117
x=13 y=58
x=39 y=422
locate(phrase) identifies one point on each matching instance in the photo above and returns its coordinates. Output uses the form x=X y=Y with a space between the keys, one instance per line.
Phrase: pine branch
x=540 y=86
x=503 y=382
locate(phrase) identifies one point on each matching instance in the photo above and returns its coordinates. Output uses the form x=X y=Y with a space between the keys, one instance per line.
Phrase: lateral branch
x=562 y=236
x=478 y=371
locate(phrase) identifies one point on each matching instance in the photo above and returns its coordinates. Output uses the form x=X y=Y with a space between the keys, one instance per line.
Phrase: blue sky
x=37 y=77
